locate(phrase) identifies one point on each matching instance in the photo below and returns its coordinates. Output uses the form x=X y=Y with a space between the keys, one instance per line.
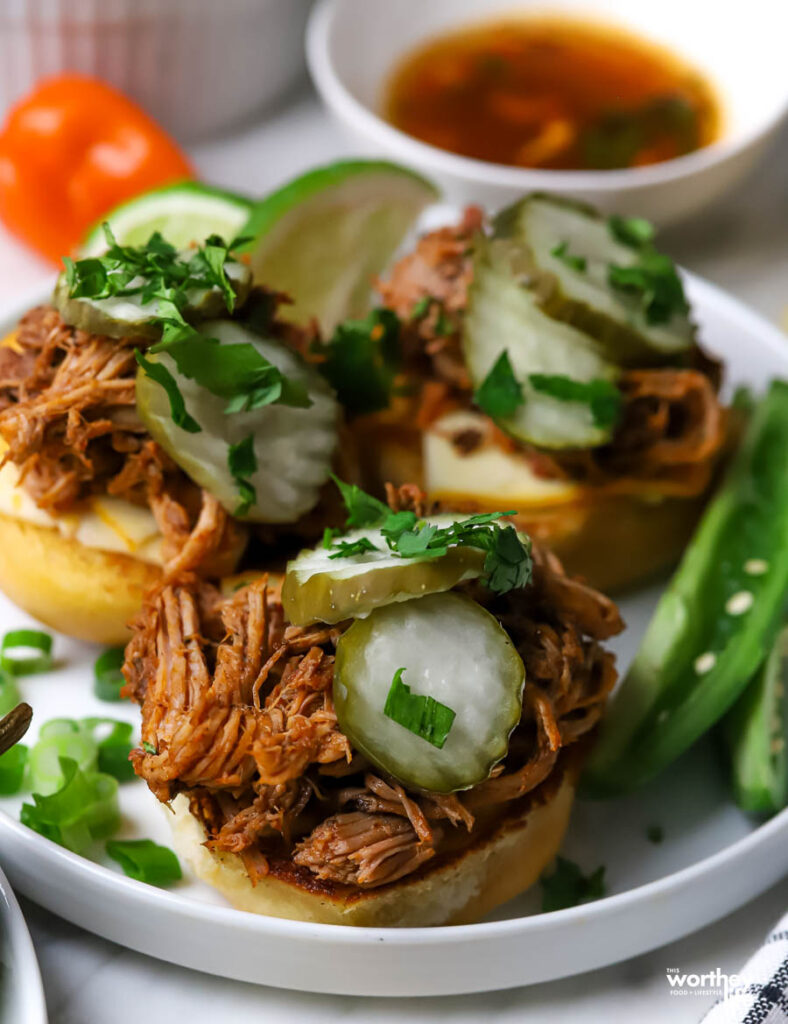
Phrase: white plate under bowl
x=713 y=857
x=21 y=992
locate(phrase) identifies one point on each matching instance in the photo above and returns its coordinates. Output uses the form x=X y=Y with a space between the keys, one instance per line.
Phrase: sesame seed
x=705 y=663
x=739 y=603
x=756 y=566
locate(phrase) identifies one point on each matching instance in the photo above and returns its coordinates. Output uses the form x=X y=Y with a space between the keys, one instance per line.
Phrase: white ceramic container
x=353 y=44
x=198 y=66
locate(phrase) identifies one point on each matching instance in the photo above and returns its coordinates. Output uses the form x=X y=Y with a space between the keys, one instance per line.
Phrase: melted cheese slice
x=489 y=476
x=103 y=522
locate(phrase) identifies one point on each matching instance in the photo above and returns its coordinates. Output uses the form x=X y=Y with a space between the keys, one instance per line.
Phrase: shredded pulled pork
x=672 y=425
x=237 y=713
x=68 y=419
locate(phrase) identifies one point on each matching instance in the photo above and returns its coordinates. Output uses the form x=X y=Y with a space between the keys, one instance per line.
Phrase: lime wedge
x=323 y=237
x=184 y=213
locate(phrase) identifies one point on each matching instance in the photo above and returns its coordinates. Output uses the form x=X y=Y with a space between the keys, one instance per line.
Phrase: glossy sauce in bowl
x=552 y=93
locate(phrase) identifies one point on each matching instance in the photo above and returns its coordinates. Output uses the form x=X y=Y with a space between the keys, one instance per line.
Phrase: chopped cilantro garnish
x=500 y=394
x=655 y=833
x=239 y=373
x=157 y=272
x=653 y=279
x=361 y=361
x=423 y=716
x=148 y=747
x=362 y=509
x=421 y=307
x=443 y=325
x=567 y=886
x=397 y=523
x=602 y=396
x=561 y=252
x=350 y=548
x=242 y=463
x=632 y=231
x=162 y=376
x=507 y=565
x=154 y=271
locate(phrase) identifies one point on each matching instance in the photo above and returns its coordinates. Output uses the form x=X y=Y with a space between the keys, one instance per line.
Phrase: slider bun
x=77 y=590
x=613 y=541
x=463 y=889
x=81 y=591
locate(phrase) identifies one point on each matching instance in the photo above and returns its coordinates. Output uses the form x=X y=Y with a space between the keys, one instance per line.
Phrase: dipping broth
x=554 y=94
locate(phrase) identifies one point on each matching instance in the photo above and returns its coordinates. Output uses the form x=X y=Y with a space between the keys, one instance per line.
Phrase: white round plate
x=21 y=992
x=713 y=857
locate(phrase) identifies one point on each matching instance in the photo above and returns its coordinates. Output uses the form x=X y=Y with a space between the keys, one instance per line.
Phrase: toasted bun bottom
x=614 y=541
x=494 y=870
x=83 y=592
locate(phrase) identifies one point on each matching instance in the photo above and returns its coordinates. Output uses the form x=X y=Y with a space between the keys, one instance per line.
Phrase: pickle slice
x=127 y=316
x=569 y=248
x=320 y=588
x=503 y=315
x=451 y=649
x=292 y=446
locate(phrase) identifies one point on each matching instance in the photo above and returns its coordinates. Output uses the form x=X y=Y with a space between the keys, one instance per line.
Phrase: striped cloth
x=759 y=995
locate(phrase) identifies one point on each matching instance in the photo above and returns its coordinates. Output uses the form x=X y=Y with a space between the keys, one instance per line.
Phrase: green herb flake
x=602 y=396
x=145 y=861
x=421 y=307
x=350 y=549
x=423 y=716
x=148 y=747
x=500 y=393
x=242 y=463
x=362 y=360
x=567 y=886
x=362 y=509
x=156 y=371
x=655 y=834
x=507 y=565
x=155 y=271
x=653 y=279
x=239 y=373
x=636 y=232
x=576 y=263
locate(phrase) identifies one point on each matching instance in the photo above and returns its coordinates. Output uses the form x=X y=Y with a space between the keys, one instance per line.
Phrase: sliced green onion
x=12 y=769
x=16 y=652
x=83 y=809
x=60 y=738
x=107 y=677
x=145 y=860
x=114 y=748
x=9 y=693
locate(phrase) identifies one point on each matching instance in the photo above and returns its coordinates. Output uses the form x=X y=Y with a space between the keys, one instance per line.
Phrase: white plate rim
x=29 y=846
x=28 y=978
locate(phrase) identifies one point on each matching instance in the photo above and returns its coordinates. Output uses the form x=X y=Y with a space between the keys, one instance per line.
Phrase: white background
x=742 y=246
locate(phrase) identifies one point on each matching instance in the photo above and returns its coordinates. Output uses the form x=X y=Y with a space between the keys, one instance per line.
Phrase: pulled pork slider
x=152 y=417
x=394 y=739
x=552 y=368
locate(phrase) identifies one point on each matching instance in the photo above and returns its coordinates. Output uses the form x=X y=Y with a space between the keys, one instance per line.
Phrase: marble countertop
x=742 y=246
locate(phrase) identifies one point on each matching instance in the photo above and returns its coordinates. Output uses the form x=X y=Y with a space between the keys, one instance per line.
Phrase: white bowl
x=197 y=66
x=353 y=44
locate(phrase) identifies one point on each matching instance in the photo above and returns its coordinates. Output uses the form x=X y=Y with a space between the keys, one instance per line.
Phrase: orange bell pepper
x=72 y=150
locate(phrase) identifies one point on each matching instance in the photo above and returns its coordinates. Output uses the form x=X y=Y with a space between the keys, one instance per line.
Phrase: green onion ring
x=107 y=677
x=25 y=664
